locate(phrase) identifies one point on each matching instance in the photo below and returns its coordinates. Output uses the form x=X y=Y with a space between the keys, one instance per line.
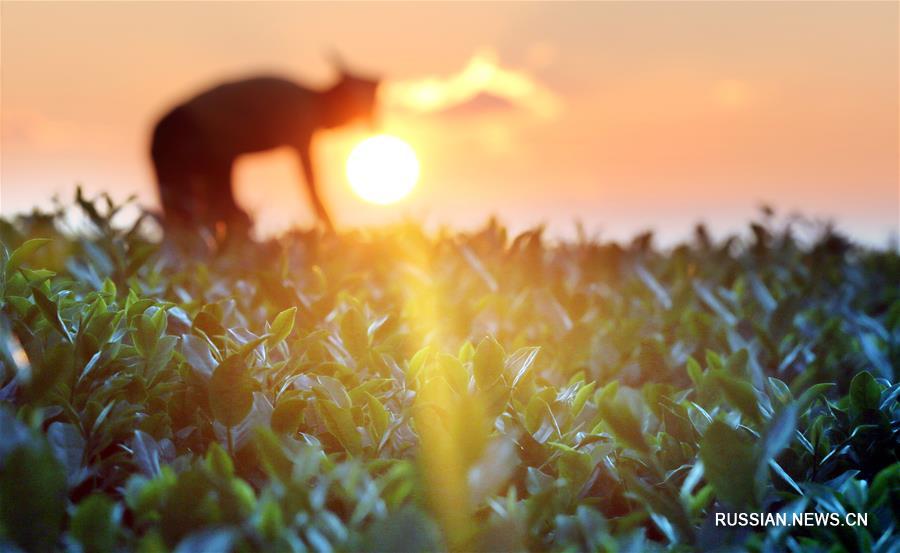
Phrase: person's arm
x=309 y=177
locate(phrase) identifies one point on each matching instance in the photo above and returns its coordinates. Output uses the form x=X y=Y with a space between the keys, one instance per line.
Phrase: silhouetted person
x=194 y=146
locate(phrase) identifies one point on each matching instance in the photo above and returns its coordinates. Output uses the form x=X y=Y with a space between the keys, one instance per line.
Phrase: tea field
x=397 y=390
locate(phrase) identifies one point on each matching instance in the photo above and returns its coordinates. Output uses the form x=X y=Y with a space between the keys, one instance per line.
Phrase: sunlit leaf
x=340 y=423
x=488 y=362
x=381 y=418
x=354 y=333
x=288 y=415
x=282 y=326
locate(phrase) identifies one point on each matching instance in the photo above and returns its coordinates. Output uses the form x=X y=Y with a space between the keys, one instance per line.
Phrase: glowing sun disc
x=382 y=169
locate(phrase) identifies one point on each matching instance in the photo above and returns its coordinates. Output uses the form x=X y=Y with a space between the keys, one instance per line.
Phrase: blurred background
x=625 y=116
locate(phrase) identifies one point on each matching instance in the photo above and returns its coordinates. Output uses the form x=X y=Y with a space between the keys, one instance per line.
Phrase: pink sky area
x=626 y=116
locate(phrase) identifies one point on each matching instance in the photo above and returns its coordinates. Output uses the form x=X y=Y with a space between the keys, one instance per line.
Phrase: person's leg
x=221 y=203
x=176 y=176
x=174 y=195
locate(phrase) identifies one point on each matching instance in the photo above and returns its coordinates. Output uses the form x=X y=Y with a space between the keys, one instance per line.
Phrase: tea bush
x=397 y=391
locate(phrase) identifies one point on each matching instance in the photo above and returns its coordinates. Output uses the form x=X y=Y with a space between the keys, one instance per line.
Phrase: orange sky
x=624 y=115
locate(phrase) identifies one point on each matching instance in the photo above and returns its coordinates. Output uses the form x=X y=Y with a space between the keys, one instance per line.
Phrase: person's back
x=194 y=145
x=256 y=114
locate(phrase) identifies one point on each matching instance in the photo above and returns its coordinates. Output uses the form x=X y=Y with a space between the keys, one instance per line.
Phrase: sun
x=382 y=169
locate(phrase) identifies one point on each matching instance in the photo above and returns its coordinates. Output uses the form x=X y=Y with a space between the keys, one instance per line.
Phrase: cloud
x=482 y=85
x=483 y=102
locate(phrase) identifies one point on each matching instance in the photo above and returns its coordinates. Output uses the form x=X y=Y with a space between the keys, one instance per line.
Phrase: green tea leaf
x=695 y=372
x=454 y=372
x=32 y=497
x=288 y=415
x=272 y=455
x=282 y=326
x=230 y=392
x=488 y=362
x=621 y=421
x=865 y=392
x=20 y=254
x=95 y=523
x=738 y=392
x=340 y=423
x=737 y=363
x=354 y=333
x=332 y=388
x=581 y=398
x=778 y=433
x=218 y=462
x=145 y=334
x=381 y=418
x=519 y=363
x=51 y=312
x=729 y=462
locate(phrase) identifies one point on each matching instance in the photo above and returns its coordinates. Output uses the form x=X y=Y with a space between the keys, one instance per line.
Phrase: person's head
x=352 y=98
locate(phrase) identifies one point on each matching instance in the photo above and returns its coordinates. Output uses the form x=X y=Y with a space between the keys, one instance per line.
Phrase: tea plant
x=395 y=391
